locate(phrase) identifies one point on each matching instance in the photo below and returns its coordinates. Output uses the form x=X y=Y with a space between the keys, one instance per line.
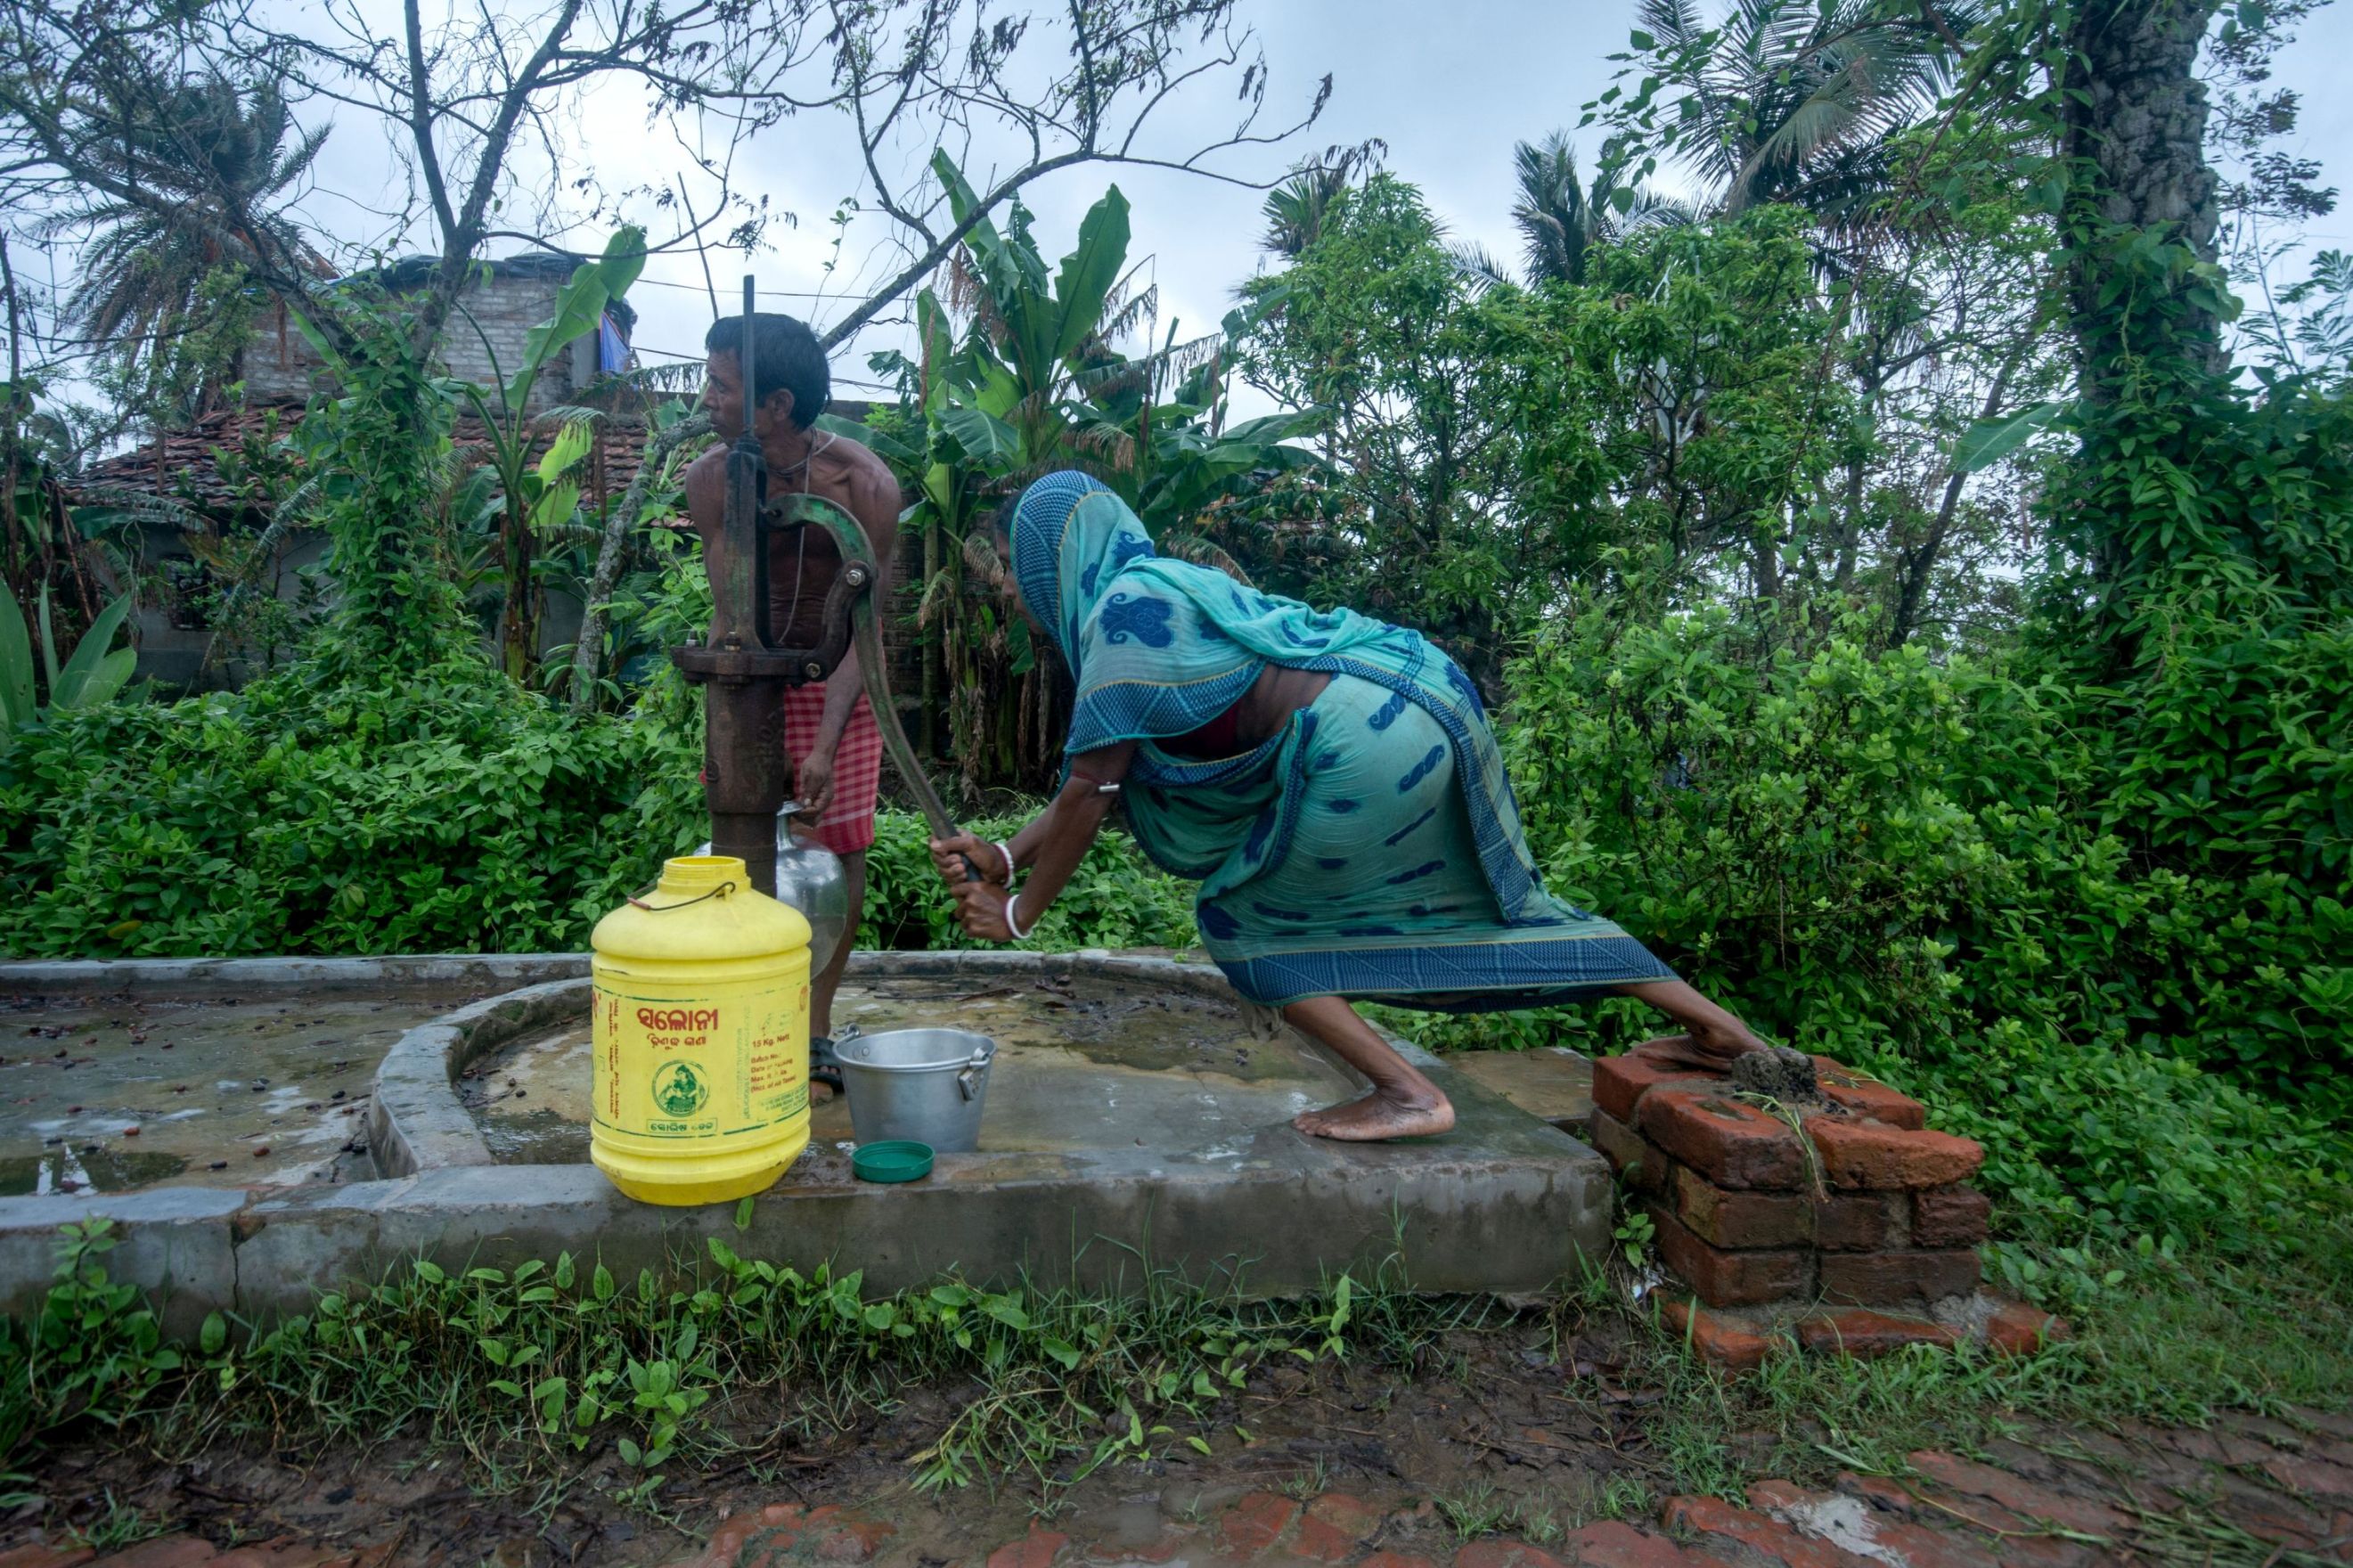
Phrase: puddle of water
x=104 y=1094
x=1095 y=1065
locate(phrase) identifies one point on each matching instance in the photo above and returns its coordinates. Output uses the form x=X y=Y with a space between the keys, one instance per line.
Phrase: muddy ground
x=1493 y=1409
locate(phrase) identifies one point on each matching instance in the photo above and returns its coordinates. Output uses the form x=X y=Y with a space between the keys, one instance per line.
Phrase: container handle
x=967 y=1079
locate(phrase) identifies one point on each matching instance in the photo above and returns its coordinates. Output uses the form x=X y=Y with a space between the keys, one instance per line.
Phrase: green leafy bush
x=1930 y=869
x=449 y=811
x=1115 y=899
x=446 y=811
x=93 y=1350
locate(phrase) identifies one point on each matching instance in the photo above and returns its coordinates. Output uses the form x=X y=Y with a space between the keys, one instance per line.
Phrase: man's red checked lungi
x=848 y=826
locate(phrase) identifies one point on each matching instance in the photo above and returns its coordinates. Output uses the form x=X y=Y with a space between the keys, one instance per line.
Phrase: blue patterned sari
x=1372 y=848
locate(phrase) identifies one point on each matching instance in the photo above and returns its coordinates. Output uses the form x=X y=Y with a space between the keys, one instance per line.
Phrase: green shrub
x=1928 y=869
x=447 y=812
x=452 y=812
x=1115 y=899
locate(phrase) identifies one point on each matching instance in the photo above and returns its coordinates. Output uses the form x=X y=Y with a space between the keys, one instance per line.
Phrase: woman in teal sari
x=1332 y=783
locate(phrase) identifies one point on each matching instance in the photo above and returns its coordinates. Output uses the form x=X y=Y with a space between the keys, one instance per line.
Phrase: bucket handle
x=968 y=1080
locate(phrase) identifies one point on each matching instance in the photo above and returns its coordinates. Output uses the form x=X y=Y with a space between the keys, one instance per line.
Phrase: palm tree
x=220 y=150
x=1797 y=100
x=1296 y=209
x=1560 y=219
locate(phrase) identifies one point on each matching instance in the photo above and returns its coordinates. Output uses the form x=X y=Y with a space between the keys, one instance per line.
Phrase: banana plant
x=90 y=675
x=536 y=496
x=1016 y=373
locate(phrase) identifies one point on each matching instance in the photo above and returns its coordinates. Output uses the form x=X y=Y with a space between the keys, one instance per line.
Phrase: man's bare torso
x=804 y=562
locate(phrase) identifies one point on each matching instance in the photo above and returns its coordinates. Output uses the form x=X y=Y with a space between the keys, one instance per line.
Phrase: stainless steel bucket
x=928 y=1085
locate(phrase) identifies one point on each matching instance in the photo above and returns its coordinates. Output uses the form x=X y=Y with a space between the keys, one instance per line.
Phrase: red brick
x=1873 y=1155
x=1907 y=1543
x=1861 y=1222
x=1868 y=1097
x=1876 y=1279
x=1619 y=1083
x=1610 y=1545
x=1723 y=1278
x=751 y=1538
x=278 y=1553
x=1734 y=1218
x=2021 y=1330
x=1949 y=1216
x=1713 y=1338
x=1256 y=1522
x=1505 y=1554
x=1863 y=1333
x=1036 y=1550
x=853 y=1539
x=1730 y=1143
x=1636 y=1161
x=163 y=1551
x=2019 y=1495
x=1878 y=1490
x=1335 y=1526
x=2314 y=1478
x=37 y=1555
x=1714 y=1516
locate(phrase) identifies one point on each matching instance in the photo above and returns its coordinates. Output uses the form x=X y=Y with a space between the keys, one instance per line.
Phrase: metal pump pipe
x=746 y=775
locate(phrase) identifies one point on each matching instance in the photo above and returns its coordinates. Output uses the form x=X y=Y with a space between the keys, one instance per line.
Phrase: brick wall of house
x=483 y=342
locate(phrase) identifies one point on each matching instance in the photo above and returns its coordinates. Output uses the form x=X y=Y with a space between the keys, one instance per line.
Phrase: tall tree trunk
x=2134 y=116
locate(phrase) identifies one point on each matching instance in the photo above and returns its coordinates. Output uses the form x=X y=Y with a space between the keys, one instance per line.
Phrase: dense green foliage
x=441 y=810
x=448 y=812
x=1932 y=868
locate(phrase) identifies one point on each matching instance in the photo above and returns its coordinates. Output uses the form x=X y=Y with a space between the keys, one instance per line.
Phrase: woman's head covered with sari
x=1070 y=536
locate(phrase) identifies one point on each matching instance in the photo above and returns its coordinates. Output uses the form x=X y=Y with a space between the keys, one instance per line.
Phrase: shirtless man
x=830 y=731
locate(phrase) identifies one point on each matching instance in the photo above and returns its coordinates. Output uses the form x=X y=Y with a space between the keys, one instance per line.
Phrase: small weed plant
x=536 y=1370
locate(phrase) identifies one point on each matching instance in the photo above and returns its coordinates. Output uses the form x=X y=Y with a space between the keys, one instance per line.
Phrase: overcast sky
x=1449 y=86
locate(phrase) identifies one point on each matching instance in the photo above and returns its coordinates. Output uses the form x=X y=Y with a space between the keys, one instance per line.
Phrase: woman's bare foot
x=1378 y=1116
x=1403 y=1103
x=1713 y=1039
x=1691 y=1054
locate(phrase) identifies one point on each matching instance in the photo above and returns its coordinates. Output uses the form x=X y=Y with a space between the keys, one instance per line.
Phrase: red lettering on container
x=678 y=1018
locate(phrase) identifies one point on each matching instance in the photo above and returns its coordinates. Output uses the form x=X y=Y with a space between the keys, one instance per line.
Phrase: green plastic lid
x=894 y=1160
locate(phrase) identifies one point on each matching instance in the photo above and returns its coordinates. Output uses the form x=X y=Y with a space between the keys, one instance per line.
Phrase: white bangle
x=1012 y=925
x=1001 y=847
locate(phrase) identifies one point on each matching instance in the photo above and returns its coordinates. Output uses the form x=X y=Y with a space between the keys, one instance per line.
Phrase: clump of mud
x=1779 y=1073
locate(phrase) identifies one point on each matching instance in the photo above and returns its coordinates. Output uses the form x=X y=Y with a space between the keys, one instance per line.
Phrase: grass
x=2173 y=1342
x=529 y=1377
x=117 y=1528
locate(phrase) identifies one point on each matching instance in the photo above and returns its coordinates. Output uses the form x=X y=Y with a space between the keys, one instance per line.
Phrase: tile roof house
x=197 y=470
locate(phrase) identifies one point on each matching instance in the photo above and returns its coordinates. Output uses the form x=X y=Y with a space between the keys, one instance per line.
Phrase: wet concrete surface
x=1084 y=1064
x=108 y=1094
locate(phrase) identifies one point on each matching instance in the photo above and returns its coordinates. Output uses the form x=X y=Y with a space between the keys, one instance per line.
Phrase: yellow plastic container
x=702 y=1037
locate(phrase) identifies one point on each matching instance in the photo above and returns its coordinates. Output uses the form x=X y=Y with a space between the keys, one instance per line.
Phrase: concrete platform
x=1094 y=1174
x=1550 y=1083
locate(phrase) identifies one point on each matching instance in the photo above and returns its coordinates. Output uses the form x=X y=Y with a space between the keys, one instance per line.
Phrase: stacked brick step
x=1850 y=1222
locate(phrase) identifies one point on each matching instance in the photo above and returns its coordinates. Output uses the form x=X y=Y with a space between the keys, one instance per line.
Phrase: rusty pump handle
x=859 y=577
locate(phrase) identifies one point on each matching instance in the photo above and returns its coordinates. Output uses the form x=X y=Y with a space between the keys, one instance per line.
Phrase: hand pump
x=746 y=772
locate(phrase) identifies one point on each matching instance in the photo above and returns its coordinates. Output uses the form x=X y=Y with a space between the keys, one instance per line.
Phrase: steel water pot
x=809 y=879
